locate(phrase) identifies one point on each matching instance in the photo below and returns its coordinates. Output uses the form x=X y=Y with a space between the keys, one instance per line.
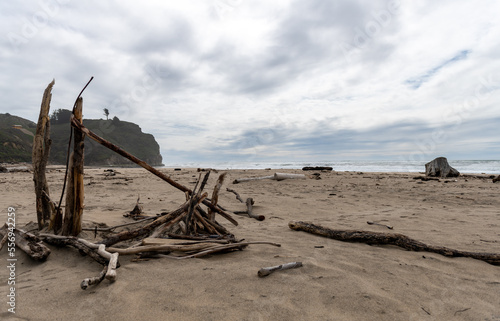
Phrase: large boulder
x=439 y=167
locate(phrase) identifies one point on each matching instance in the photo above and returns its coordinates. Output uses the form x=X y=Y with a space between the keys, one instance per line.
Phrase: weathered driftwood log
x=146 y=166
x=247 y=179
x=283 y=176
x=268 y=270
x=496 y=179
x=439 y=167
x=403 y=241
x=72 y=223
x=317 y=168
x=40 y=156
x=27 y=242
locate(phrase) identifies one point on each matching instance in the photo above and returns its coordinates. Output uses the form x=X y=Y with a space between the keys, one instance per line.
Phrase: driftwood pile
x=187 y=232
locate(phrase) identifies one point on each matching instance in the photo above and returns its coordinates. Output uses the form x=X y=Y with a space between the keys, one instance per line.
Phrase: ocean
x=463 y=166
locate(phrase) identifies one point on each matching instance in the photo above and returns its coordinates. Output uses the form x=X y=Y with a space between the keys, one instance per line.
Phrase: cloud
x=248 y=80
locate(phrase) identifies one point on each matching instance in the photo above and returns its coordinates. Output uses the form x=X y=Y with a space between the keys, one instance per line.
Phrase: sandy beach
x=338 y=280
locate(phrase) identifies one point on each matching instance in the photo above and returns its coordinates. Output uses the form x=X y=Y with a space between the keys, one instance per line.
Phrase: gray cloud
x=302 y=78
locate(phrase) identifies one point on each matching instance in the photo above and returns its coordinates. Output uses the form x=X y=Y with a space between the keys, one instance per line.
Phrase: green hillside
x=16 y=144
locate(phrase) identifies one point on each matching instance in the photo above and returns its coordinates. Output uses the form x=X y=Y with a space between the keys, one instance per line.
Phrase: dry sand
x=338 y=280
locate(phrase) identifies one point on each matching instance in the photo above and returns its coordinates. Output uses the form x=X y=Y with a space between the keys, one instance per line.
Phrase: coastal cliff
x=16 y=140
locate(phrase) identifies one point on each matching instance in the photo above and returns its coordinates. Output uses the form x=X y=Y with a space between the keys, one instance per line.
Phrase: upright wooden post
x=72 y=224
x=40 y=156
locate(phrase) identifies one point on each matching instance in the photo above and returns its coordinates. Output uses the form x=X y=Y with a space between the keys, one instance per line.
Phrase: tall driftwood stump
x=72 y=224
x=439 y=167
x=40 y=156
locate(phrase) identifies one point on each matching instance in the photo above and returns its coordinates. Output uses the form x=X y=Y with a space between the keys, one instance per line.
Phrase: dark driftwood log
x=439 y=167
x=40 y=156
x=496 y=179
x=28 y=243
x=376 y=238
x=146 y=166
x=72 y=223
x=317 y=168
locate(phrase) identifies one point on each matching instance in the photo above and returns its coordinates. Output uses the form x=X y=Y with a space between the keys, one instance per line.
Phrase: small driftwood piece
x=250 y=213
x=238 y=197
x=249 y=203
x=94 y=280
x=375 y=223
x=268 y=270
x=377 y=238
x=28 y=243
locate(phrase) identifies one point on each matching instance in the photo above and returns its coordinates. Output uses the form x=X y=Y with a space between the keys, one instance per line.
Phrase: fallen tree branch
x=377 y=238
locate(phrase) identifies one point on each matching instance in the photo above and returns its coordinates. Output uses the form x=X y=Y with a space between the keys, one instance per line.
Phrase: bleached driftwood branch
x=276 y=177
x=268 y=270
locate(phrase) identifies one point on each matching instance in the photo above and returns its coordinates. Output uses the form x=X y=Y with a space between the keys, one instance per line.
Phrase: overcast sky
x=233 y=80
